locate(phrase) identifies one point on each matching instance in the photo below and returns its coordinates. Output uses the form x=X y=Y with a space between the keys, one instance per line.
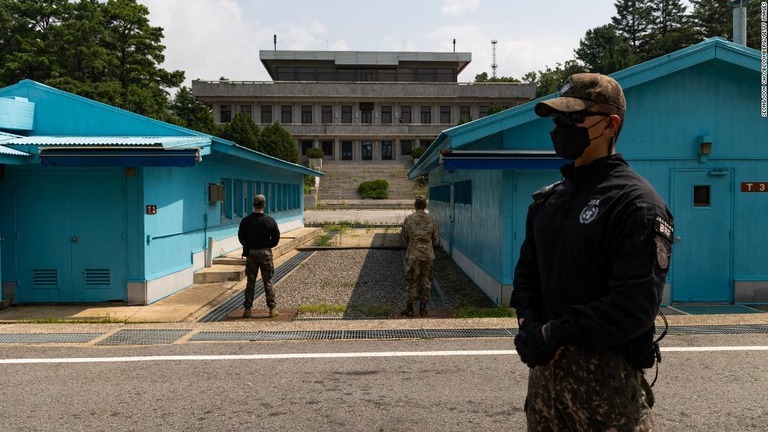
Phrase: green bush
x=418 y=151
x=375 y=189
x=314 y=153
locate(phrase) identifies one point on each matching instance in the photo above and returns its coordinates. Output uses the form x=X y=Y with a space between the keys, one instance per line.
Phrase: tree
x=712 y=18
x=551 y=80
x=105 y=51
x=483 y=77
x=276 y=141
x=192 y=113
x=671 y=28
x=243 y=131
x=603 y=50
x=633 y=22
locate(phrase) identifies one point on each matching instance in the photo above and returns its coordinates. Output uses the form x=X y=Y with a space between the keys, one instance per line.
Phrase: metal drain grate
x=144 y=337
x=222 y=311
x=207 y=336
x=716 y=329
x=48 y=337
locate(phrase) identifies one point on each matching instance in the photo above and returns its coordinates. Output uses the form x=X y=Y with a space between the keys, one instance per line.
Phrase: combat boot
x=408 y=311
x=423 y=310
x=247 y=313
x=273 y=313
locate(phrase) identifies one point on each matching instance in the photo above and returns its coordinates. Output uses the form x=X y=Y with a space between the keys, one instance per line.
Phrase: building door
x=70 y=238
x=346 y=150
x=367 y=150
x=702 y=254
x=386 y=150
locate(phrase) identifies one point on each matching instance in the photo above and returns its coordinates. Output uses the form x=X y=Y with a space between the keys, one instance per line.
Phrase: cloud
x=457 y=7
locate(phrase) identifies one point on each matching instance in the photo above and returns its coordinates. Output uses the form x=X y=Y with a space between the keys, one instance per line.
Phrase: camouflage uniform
x=259 y=259
x=420 y=233
x=587 y=390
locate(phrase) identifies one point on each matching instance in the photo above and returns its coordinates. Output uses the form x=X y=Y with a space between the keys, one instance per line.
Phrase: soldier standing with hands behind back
x=258 y=233
x=421 y=234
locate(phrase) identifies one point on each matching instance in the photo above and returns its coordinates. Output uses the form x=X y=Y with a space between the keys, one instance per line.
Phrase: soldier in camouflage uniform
x=258 y=233
x=591 y=273
x=421 y=234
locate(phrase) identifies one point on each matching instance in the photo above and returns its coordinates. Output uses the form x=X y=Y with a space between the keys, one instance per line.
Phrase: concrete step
x=219 y=273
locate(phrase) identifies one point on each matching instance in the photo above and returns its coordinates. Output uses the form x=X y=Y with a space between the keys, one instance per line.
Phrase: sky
x=210 y=39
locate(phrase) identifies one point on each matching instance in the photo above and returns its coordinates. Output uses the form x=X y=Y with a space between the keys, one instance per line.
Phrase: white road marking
x=330 y=355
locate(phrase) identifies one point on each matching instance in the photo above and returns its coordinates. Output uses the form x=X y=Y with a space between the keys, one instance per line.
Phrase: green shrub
x=314 y=153
x=375 y=189
x=418 y=151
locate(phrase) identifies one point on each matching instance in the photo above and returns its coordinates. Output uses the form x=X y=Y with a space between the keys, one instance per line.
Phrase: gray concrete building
x=361 y=105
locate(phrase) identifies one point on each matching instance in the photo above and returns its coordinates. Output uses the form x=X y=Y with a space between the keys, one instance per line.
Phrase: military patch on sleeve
x=663 y=252
x=664 y=228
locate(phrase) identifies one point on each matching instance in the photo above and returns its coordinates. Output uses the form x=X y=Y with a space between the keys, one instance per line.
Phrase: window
x=346 y=114
x=445 y=114
x=701 y=196
x=440 y=193
x=483 y=110
x=286 y=114
x=366 y=112
x=326 y=114
x=346 y=150
x=464 y=113
x=238 y=201
x=462 y=192
x=405 y=147
x=226 y=206
x=386 y=150
x=367 y=150
x=306 y=114
x=225 y=113
x=246 y=109
x=305 y=144
x=405 y=115
x=386 y=114
x=327 y=147
x=426 y=114
x=266 y=114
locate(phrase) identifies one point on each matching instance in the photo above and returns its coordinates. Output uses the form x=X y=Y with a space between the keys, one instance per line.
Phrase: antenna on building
x=454 y=45
x=274 y=38
x=740 y=21
x=494 y=65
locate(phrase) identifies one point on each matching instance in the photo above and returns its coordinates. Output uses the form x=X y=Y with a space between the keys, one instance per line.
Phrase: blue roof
x=467 y=134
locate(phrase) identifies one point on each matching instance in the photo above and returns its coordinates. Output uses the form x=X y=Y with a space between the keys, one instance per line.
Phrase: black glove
x=531 y=346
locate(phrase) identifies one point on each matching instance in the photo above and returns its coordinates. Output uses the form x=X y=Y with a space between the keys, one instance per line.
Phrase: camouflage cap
x=581 y=91
x=421 y=200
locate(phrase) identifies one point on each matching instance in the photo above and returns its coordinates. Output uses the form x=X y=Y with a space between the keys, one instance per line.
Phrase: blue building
x=695 y=127
x=101 y=204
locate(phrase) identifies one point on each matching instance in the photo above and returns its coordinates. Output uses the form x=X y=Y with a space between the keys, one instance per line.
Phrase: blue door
x=702 y=257
x=70 y=238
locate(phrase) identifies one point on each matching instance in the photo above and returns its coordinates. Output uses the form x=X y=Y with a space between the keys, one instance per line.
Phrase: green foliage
x=495 y=108
x=314 y=153
x=483 y=77
x=374 y=189
x=192 y=113
x=418 y=152
x=276 y=141
x=243 y=131
x=671 y=28
x=551 y=80
x=603 y=50
x=633 y=22
x=105 y=51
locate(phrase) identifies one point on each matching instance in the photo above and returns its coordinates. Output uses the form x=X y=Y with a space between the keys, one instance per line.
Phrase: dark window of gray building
x=346 y=150
x=286 y=114
x=327 y=147
x=445 y=114
x=405 y=115
x=306 y=114
x=366 y=112
x=346 y=114
x=367 y=150
x=266 y=114
x=386 y=114
x=464 y=113
x=225 y=113
x=405 y=147
x=483 y=110
x=426 y=114
x=386 y=150
x=305 y=144
x=247 y=109
x=327 y=114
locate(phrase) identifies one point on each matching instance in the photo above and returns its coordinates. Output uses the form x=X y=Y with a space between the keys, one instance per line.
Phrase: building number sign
x=754 y=186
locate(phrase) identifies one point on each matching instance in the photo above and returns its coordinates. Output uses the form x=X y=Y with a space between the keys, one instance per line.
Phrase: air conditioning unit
x=215 y=193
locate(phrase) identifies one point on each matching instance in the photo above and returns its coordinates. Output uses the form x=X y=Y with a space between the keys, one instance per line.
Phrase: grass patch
x=322 y=240
x=339 y=228
x=87 y=320
x=476 y=312
x=322 y=309
x=369 y=310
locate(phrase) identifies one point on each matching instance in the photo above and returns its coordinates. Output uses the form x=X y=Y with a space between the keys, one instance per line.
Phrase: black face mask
x=571 y=141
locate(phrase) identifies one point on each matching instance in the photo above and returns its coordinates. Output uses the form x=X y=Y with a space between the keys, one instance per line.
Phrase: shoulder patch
x=664 y=228
x=545 y=192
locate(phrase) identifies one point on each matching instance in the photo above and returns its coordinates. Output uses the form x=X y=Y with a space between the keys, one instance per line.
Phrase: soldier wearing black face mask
x=592 y=268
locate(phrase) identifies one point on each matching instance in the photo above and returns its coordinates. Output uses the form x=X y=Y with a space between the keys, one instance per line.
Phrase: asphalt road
x=406 y=385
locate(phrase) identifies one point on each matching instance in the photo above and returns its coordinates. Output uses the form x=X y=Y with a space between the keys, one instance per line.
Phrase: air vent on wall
x=45 y=278
x=98 y=278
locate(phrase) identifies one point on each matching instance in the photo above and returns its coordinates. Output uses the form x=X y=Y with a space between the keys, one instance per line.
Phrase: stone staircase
x=341 y=179
x=231 y=267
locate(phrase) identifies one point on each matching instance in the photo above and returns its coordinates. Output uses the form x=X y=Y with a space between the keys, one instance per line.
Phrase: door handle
x=678 y=239
x=74 y=239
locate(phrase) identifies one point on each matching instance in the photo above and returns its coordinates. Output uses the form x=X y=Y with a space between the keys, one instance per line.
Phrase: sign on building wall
x=754 y=186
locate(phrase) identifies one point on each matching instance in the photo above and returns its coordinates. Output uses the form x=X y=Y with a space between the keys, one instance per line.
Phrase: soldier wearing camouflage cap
x=421 y=234
x=589 y=281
